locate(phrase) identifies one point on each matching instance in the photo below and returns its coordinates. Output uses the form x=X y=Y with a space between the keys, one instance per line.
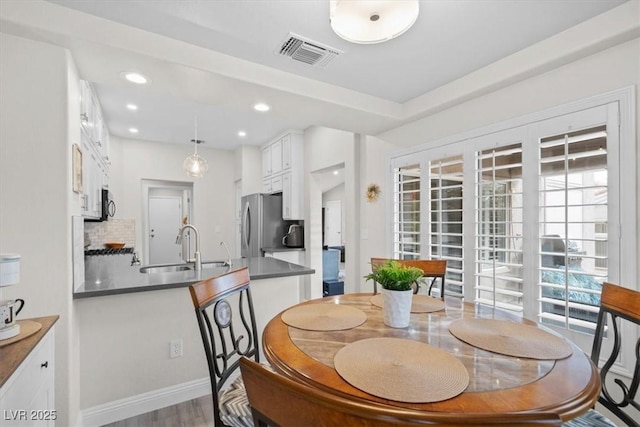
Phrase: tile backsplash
x=114 y=230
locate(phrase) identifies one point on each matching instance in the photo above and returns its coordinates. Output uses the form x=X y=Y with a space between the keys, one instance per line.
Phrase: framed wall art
x=77 y=168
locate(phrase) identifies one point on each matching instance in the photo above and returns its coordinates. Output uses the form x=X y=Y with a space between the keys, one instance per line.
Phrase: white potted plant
x=396 y=280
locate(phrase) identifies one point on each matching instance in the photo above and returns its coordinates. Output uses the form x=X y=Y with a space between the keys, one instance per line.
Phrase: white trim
x=625 y=95
x=142 y=403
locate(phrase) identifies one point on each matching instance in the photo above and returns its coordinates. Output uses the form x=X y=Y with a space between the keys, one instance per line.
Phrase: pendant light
x=372 y=21
x=195 y=165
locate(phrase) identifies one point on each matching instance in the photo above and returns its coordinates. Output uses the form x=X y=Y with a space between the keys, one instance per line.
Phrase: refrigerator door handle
x=246 y=232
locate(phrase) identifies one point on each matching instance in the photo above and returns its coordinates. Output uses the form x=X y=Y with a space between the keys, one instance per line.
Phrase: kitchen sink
x=213 y=264
x=173 y=268
x=165 y=268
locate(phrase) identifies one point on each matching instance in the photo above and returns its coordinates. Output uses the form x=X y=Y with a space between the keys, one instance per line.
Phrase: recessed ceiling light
x=132 y=107
x=133 y=130
x=262 y=107
x=135 y=77
x=336 y=172
x=242 y=133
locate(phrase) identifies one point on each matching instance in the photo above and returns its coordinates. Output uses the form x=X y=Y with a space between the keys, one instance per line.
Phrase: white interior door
x=165 y=219
x=333 y=223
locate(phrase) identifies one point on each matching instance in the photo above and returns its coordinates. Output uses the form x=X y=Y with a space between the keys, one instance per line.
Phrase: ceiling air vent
x=308 y=51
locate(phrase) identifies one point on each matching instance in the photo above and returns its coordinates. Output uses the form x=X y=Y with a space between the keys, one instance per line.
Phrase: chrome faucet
x=135 y=260
x=228 y=261
x=197 y=261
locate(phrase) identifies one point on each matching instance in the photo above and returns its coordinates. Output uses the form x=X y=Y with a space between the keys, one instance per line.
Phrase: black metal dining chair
x=617 y=306
x=227 y=335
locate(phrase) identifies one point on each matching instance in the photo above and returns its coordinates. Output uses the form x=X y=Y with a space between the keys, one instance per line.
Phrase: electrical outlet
x=175 y=348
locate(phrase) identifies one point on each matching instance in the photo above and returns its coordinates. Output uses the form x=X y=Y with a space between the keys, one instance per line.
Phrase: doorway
x=333 y=223
x=165 y=218
x=166 y=206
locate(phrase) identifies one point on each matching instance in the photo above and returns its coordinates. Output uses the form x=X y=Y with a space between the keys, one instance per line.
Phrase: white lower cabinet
x=27 y=398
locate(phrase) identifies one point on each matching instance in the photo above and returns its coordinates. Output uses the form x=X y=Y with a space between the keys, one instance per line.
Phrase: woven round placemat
x=419 y=303
x=511 y=338
x=401 y=370
x=324 y=317
x=27 y=328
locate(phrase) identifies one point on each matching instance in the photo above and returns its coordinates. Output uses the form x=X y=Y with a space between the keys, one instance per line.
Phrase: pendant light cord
x=195 y=141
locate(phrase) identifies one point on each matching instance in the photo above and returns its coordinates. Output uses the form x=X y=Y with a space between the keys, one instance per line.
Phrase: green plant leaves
x=394 y=276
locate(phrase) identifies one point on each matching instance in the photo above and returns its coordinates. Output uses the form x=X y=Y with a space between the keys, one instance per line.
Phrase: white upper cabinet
x=272 y=159
x=266 y=161
x=282 y=165
x=286 y=152
x=95 y=152
x=276 y=157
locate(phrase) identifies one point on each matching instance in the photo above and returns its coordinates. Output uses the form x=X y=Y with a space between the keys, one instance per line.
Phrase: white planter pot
x=396 y=308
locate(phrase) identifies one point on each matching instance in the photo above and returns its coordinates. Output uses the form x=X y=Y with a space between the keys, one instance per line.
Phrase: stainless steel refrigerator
x=262 y=224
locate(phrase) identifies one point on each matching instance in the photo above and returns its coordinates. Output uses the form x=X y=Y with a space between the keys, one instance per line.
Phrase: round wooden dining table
x=499 y=384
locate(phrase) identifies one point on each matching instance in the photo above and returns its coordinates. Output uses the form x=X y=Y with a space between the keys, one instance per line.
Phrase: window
x=527 y=212
x=445 y=228
x=499 y=227
x=573 y=234
x=406 y=218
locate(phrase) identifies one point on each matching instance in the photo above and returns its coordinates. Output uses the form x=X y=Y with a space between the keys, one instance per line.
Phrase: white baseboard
x=136 y=405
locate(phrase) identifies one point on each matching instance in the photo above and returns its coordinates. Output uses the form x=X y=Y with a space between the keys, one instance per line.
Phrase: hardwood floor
x=192 y=413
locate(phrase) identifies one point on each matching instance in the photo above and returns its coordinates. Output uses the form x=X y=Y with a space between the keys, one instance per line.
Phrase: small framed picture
x=77 y=169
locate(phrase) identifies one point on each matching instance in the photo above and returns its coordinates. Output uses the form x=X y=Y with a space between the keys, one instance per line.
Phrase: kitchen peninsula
x=130 y=319
x=113 y=278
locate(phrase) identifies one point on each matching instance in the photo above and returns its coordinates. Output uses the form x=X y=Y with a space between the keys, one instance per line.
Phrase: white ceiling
x=215 y=59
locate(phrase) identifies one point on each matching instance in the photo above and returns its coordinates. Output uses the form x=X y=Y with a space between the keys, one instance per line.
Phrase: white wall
x=39 y=110
x=365 y=161
x=374 y=223
x=248 y=169
x=213 y=194
x=326 y=148
x=605 y=71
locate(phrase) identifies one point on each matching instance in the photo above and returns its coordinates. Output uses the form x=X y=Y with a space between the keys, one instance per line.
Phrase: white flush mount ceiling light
x=242 y=134
x=135 y=77
x=132 y=107
x=133 y=130
x=372 y=21
x=195 y=165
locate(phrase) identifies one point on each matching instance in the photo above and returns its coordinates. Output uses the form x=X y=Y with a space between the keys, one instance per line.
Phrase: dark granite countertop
x=281 y=249
x=112 y=276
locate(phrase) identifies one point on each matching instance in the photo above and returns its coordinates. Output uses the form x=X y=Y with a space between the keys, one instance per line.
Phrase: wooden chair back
x=224 y=310
x=279 y=401
x=432 y=268
x=618 y=305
